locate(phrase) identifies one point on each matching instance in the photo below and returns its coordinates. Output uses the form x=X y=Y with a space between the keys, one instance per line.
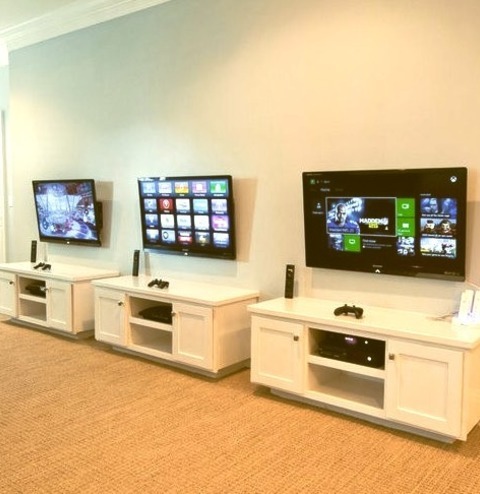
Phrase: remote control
x=289 y=280
x=33 y=251
x=136 y=262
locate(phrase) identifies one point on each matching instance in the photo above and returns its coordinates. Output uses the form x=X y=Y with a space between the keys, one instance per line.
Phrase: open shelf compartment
x=148 y=338
x=145 y=309
x=357 y=350
x=344 y=385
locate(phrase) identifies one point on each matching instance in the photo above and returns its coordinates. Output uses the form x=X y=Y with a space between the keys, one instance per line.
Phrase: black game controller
x=43 y=266
x=349 y=309
x=159 y=283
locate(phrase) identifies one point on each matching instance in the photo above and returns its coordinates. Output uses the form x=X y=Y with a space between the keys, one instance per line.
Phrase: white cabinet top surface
x=180 y=290
x=58 y=271
x=375 y=321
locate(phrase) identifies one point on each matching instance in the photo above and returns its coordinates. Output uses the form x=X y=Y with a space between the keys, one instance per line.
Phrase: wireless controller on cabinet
x=43 y=266
x=159 y=283
x=349 y=309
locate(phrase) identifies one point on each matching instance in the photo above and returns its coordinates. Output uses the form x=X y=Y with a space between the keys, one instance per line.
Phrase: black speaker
x=289 y=280
x=33 y=251
x=136 y=262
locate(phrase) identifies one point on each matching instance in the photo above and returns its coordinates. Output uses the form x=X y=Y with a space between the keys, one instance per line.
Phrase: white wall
x=261 y=89
x=4 y=93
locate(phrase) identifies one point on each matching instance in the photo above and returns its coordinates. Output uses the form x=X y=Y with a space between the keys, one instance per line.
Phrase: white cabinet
x=193 y=335
x=110 y=316
x=424 y=386
x=423 y=376
x=8 y=294
x=58 y=299
x=59 y=296
x=199 y=326
x=277 y=354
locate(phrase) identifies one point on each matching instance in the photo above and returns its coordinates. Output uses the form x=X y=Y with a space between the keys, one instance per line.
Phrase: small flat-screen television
x=189 y=215
x=67 y=211
x=408 y=222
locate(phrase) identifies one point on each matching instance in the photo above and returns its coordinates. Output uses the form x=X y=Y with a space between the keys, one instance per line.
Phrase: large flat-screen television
x=408 y=222
x=67 y=211
x=188 y=215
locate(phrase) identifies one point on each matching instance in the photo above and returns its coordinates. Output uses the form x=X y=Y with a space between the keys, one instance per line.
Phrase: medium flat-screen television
x=188 y=215
x=67 y=211
x=408 y=222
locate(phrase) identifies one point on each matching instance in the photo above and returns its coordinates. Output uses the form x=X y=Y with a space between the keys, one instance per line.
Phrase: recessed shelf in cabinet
x=150 y=336
x=33 y=298
x=137 y=304
x=348 y=367
x=342 y=384
x=32 y=307
x=140 y=321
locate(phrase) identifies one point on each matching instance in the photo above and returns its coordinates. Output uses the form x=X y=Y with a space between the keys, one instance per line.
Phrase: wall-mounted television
x=408 y=222
x=188 y=215
x=68 y=211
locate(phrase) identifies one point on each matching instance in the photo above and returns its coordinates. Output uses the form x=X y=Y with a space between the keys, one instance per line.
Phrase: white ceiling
x=15 y=12
x=25 y=22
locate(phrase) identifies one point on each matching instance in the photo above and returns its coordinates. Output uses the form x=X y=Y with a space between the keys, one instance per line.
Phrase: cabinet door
x=110 y=316
x=59 y=305
x=193 y=335
x=8 y=294
x=277 y=353
x=424 y=386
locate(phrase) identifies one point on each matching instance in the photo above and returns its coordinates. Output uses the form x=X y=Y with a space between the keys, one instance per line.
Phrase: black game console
x=162 y=312
x=36 y=289
x=353 y=349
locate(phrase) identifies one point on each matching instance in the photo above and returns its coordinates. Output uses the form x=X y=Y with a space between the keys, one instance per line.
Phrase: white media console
x=59 y=298
x=428 y=382
x=201 y=327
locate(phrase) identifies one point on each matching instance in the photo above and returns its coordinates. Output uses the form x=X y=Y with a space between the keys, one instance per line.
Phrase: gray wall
x=261 y=89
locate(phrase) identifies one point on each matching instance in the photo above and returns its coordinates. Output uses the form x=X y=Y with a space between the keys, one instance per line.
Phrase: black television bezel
x=212 y=252
x=55 y=239
x=319 y=255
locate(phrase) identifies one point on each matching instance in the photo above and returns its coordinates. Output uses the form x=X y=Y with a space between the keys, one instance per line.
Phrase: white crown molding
x=72 y=17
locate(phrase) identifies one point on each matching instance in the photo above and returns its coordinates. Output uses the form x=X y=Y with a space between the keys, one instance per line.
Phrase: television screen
x=188 y=215
x=67 y=211
x=408 y=222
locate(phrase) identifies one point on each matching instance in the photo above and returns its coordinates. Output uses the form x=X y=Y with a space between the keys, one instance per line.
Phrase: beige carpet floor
x=76 y=417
